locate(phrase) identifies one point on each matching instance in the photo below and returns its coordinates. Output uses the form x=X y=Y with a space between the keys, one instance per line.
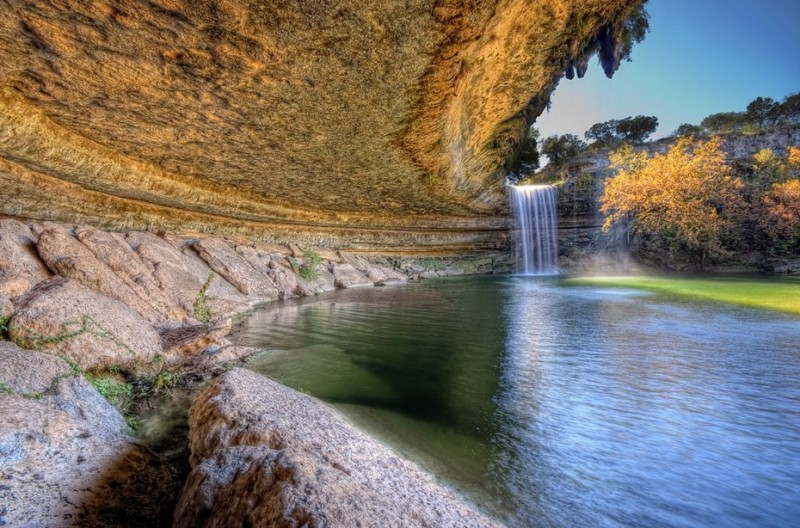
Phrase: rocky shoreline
x=82 y=310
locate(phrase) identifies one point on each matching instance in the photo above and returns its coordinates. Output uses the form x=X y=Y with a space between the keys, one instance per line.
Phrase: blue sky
x=700 y=57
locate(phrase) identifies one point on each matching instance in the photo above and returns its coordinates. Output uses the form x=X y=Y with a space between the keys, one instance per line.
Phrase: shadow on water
x=553 y=406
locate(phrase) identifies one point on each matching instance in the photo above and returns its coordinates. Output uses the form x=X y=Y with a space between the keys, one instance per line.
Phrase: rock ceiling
x=386 y=121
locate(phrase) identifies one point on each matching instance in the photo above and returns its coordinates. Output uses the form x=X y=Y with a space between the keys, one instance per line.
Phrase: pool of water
x=561 y=406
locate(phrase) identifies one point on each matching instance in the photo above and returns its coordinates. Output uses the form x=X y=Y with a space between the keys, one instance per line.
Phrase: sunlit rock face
x=373 y=124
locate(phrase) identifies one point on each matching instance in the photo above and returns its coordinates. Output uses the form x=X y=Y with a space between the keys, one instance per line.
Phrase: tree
x=526 y=158
x=686 y=129
x=781 y=222
x=724 y=122
x=686 y=200
x=615 y=131
x=636 y=129
x=560 y=149
x=780 y=217
x=761 y=111
x=788 y=112
x=604 y=134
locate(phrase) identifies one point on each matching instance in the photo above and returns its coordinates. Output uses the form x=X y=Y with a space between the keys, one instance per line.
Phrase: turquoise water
x=560 y=406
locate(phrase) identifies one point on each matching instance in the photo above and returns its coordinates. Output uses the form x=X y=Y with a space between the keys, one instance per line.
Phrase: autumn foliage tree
x=780 y=218
x=687 y=200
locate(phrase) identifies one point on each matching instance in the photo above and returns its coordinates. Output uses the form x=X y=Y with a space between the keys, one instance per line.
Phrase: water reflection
x=553 y=406
x=625 y=411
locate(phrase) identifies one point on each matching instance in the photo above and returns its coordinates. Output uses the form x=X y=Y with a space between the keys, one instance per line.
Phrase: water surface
x=561 y=406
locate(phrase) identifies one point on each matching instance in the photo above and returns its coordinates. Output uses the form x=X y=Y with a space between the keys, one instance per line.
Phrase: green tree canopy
x=788 y=112
x=636 y=129
x=688 y=130
x=560 y=149
x=724 y=122
x=761 y=111
x=628 y=130
x=604 y=134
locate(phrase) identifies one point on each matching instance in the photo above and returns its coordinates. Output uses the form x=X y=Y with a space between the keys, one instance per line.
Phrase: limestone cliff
x=370 y=124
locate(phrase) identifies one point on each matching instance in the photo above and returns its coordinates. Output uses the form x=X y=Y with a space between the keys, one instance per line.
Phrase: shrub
x=309 y=269
x=200 y=309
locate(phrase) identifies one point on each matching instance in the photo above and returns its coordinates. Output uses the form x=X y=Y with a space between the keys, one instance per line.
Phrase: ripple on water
x=553 y=406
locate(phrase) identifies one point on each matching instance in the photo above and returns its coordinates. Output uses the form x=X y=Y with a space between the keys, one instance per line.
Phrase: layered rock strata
x=381 y=124
x=265 y=455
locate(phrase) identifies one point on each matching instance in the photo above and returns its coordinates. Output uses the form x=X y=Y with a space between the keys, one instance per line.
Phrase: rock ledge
x=266 y=455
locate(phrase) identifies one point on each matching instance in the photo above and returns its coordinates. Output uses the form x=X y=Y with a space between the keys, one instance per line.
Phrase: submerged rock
x=265 y=455
x=64 y=317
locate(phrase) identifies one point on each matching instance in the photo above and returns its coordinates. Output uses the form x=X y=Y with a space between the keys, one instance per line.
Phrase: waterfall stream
x=537 y=224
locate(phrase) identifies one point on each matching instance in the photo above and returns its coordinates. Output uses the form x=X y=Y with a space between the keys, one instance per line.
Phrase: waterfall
x=537 y=223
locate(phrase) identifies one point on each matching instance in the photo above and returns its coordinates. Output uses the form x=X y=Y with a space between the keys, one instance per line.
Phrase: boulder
x=60 y=469
x=65 y=317
x=6 y=308
x=346 y=276
x=14 y=286
x=381 y=275
x=266 y=455
x=284 y=279
x=20 y=266
x=295 y=250
x=354 y=260
x=324 y=282
x=251 y=256
x=183 y=274
x=27 y=371
x=224 y=260
x=114 y=251
x=66 y=256
x=331 y=255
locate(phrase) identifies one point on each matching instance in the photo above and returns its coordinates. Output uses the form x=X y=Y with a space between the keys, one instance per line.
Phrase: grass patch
x=118 y=393
x=309 y=269
x=201 y=310
x=5 y=319
x=782 y=295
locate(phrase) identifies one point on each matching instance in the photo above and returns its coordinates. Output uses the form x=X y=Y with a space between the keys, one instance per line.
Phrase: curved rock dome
x=375 y=124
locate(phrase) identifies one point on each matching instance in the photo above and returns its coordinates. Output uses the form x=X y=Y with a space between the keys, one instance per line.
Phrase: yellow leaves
x=764 y=157
x=687 y=193
x=793 y=157
x=782 y=219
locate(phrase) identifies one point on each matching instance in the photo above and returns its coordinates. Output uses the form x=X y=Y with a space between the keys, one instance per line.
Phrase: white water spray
x=537 y=222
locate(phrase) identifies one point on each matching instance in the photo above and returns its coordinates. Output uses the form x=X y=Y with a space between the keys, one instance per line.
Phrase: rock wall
x=380 y=124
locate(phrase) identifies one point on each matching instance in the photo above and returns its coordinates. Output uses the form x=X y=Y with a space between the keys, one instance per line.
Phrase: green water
x=549 y=405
